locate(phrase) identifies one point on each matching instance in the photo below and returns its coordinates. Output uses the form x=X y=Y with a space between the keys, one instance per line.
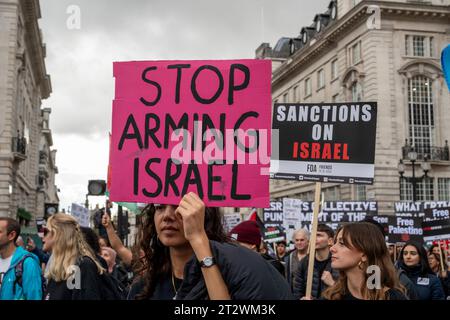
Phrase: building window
x=419 y=46
x=331 y=194
x=357 y=95
x=421 y=115
x=308 y=88
x=424 y=189
x=360 y=192
x=356 y=53
x=295 y=94
x=444 y=189
x=334 y=69
x=320 y=79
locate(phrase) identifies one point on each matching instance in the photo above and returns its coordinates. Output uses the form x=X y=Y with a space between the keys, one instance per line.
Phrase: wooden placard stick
x=312 y=241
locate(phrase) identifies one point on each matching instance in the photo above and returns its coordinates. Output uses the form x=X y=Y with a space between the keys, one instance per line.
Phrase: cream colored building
x=27 y=164
x=390 y=55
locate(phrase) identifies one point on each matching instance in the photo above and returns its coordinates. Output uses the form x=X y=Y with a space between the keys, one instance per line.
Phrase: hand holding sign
x=191 y=212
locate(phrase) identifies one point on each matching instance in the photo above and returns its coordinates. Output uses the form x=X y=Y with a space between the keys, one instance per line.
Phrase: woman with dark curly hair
x=188 y=256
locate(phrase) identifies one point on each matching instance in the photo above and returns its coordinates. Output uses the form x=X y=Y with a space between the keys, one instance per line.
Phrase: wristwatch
x=207 y=262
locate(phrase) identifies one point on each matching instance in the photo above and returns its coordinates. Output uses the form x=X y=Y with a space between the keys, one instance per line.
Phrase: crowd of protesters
x=182 y=252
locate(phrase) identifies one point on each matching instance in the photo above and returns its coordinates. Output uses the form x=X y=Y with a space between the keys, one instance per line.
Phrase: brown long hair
x=157 y=259
x=367 y=238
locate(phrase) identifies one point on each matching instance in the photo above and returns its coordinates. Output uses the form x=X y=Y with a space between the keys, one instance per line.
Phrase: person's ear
x=11 y=235
x=330 y=241
x=364 y=258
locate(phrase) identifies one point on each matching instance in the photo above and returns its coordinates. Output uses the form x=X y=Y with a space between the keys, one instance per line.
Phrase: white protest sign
x=81 y=214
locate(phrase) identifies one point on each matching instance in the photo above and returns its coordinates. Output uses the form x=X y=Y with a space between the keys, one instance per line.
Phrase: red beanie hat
x=247 y=232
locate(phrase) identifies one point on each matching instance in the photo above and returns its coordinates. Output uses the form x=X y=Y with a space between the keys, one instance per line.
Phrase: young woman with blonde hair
x=73 y=272
x=357 y=247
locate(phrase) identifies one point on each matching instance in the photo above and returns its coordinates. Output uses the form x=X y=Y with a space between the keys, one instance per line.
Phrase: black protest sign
x=418 y=208
x=437 y=213
x=436 y=229
x=401 y=229
x=328 y=142
x=274 y=214
x=333 y=213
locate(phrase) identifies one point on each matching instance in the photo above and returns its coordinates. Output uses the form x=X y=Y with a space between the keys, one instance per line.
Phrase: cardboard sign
x=81 y=214
x=200 y=126
x=401 y=229
x=231 y=220
x=332 y=142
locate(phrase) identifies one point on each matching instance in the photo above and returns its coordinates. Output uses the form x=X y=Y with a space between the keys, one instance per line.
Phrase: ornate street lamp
x=425 y=165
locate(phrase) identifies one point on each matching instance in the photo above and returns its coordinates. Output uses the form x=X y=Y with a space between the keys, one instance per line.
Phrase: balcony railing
x=19 y=148
x=432 y=153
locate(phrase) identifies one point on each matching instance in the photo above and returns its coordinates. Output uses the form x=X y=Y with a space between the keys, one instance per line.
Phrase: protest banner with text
x=200 y=126
x=328 y=142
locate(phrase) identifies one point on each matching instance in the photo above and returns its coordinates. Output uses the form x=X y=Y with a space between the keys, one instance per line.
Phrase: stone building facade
x=383 y=51
x=26 y=178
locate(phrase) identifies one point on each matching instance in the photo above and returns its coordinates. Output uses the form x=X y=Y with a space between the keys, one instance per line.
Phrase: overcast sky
x=79 y=61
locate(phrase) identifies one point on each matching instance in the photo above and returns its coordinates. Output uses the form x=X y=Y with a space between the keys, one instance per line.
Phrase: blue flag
x=445 y=59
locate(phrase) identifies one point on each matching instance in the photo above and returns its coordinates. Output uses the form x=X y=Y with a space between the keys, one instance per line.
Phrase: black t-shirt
x=89 y=284
x=320 y=265
x=164 y=290
x=392 y=293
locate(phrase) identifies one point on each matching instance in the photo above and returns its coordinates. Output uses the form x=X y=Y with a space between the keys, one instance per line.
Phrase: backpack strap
x=18 y=269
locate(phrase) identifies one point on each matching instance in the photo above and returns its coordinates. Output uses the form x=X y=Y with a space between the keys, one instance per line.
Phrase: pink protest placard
x=200 y=126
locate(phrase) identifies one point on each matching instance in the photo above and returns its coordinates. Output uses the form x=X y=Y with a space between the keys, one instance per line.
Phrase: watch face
x=208 y=261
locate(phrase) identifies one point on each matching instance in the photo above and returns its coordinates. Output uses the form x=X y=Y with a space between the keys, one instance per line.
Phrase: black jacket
x=90 y=285
x=428 y=286
x=411 y=291
x=247 y=275
x=445 y=282
x=301 y=276
x=274 y=262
